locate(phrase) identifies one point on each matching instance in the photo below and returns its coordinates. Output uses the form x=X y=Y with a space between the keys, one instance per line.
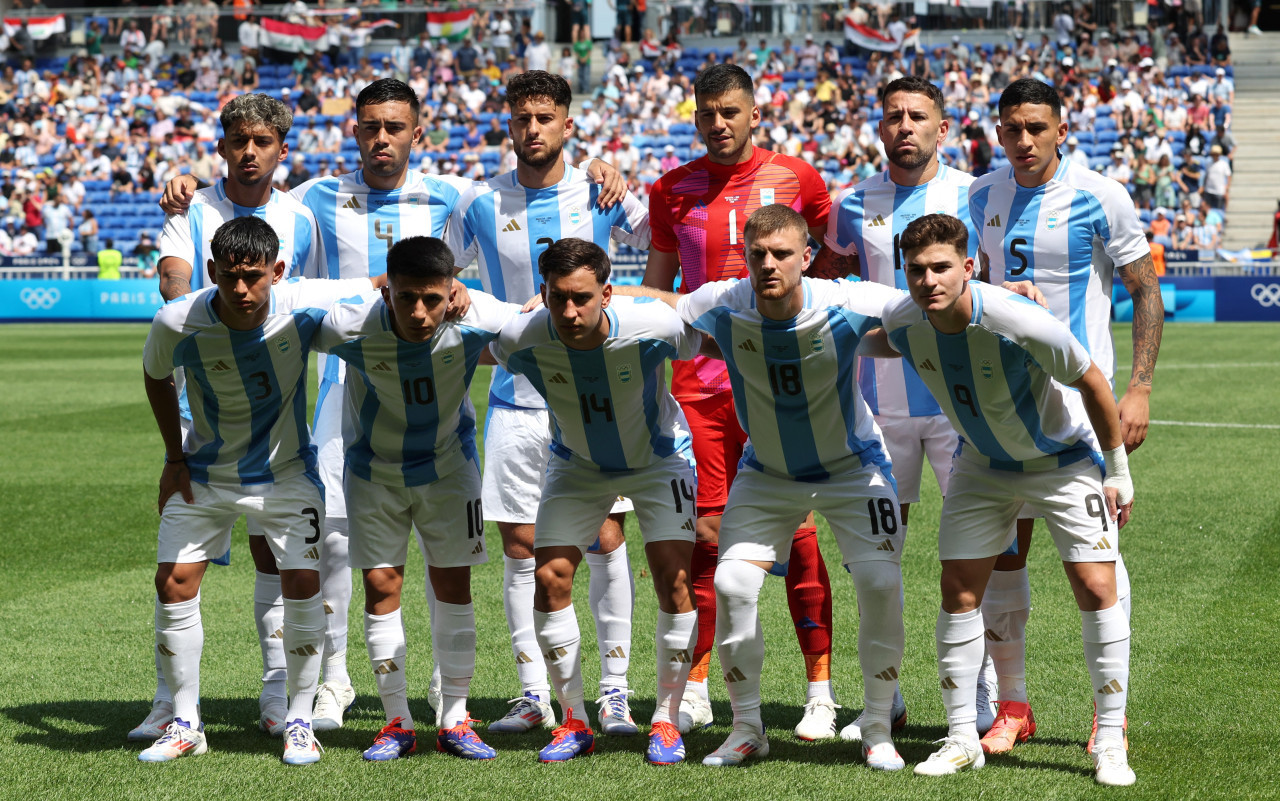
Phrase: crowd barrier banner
x=1247 y=298
x=1207 y=299
x=85 y=300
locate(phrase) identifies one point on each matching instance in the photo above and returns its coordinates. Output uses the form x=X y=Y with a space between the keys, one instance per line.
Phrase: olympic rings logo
x=48 y=297
x=1267 y=295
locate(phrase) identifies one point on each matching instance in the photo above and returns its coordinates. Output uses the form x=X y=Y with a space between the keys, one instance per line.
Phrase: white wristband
x=1117 y=466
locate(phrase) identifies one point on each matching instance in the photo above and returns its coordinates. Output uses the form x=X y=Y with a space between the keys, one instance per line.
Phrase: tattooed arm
x=1148 y=323
x=175 y=278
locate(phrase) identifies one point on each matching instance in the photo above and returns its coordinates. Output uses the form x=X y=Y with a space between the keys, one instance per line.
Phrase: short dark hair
x=721 y=78
x=538 y=84
x=932 y=229
x=1030 y=90
x=914 y=85
x=389 y=90
x=774 y=218
x=245 y=240
x=422 y=257
x=567 y=256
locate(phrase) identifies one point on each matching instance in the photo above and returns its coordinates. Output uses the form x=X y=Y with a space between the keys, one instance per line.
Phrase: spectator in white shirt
x=1075 y=153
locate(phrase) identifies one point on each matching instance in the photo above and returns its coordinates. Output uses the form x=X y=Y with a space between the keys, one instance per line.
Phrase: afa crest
x=816 y=345
x=624 y=372
x=987 y=371
x=282 y=344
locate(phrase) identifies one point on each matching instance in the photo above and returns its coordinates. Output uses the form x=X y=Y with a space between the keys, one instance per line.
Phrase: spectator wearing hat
x=537 y=56
x=1217 y=179
x=1118 y=169
x=1075 y=153
x=1182 y=237
x=1162 y=226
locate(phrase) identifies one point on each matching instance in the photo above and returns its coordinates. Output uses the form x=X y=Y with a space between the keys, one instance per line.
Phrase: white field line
x=1251 y=426
x=1207 y=366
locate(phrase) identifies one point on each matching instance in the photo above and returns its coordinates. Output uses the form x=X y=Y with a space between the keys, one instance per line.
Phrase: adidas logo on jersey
x=616 y=653
x=387 y=666
x=949 y=683
x=888 y=675
x=928 y=365
x=885 y=546
x=312 y=553
x=1103 y=545
x=306 y=650
x=556 y=653
x=352 y=203
x=878 y=221
x=735 y=674
x=478 y=549
x=380 y=367
x=681 y=657
x=220 y=367
x=510 y=227
x=164 y=649
x=748 y=346
x=1111 y=688
x=995 y=222
x=557 y=379
x=523 y=659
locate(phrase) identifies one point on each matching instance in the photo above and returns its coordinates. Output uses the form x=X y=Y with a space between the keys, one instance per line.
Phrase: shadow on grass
x=232 y=727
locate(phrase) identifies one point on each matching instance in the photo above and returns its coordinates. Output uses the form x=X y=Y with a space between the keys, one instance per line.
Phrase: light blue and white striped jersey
x=187 y=236
x=792 y=380
x=1001 y=381
x=611 y=408
x=868 y=220
x=408 y=418
x=505 y=227
x=1047 y=235
x=247 y=389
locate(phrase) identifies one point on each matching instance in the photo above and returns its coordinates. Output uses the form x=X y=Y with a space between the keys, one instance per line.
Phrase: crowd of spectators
x=83 y=137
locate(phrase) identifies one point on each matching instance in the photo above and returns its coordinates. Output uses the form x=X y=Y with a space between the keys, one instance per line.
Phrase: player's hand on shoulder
x=532 y=304
x=178 y=194
x=1027 y=290
x=459 y=301
x=613 y=187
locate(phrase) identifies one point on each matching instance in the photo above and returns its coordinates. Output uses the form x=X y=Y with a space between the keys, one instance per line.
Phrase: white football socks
x=1123 y=588
x=517 y=599
x=880 y=638
x=676 y=636
x=959 y=642
x=179 y=644
x=304 y=634
x=560 y=642
x=1006 y=605
x=335 y=587
x=612 y=596
x=741 y=639
x=1106 y=650
x=453 y=642
x=385 y=641
x=268 y=616
x=163 y=696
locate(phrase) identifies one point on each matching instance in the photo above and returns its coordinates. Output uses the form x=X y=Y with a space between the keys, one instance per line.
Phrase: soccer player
x=789 y=344
x=1000 y=367
x=244 y=346
x=360 y=215
x=254 y=128
x=600 y=366
x=411 y=462
x=1042 y=219
x=505 y=225
x=697 y=213
x=865 y=225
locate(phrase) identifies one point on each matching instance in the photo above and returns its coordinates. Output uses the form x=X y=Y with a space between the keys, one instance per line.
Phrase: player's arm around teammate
x=600 y=369
x=411 y=463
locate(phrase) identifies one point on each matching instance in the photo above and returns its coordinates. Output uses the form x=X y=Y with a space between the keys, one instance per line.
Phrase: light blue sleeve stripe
x=255 y=464
x=954 y=350
x=977 y=211
x=963 y=212
x=846 y=344
x=422 y=420
x=653 y=356
x=1026 y=205
x=360 y=452
x=301 y=243
x=480 y=223
x=1080 y=259
x=195 y=219
x=308 y=322
x=791 y=411
x=718 y=322
x=602 y=222
x=324 y=207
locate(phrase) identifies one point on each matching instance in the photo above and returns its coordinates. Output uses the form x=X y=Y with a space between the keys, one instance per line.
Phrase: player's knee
x=611 y=536
x=553 y=584
x=177 y=583
x=263 y=559
x=517 y=540
x=738 y=580
x=299 y=584
x=876 y=578
x=452 y=585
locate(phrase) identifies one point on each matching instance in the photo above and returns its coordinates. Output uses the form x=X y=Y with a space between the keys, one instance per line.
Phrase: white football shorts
x=908 y=440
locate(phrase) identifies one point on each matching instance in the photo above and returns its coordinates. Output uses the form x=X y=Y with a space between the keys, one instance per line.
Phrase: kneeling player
x=244 y=346
x=617 y=431
x=1000 y=368
x=411 y=462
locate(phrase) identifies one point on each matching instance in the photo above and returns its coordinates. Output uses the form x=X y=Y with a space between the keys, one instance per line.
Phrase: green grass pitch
x=77 y=545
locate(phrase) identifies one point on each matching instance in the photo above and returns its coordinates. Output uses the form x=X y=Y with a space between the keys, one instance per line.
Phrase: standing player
x=1042 y=220
x=254 y=128
x=1000 y=369
x=698 y=212
x=244 y=346
x=411 y=462
x=865 y=226
x=360 y=215
x=617 y=431
x=505 y=225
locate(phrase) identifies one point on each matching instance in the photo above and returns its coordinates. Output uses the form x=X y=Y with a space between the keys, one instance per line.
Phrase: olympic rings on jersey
x=48 y=297
x=1267 y=295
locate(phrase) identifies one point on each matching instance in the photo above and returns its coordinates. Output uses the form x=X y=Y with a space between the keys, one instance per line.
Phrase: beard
x=537 y=160
x=911 y=161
